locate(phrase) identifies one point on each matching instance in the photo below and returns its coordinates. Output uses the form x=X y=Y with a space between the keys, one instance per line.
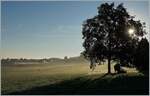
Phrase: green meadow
x=69 y=78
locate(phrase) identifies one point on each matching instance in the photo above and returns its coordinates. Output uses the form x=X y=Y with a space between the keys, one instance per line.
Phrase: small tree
x=106 y=35
x=65 y=57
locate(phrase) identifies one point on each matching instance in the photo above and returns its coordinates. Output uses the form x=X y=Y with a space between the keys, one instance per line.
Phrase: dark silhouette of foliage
x=141 y=60
x=106 y=35
x=65 y=57
x=118 y=69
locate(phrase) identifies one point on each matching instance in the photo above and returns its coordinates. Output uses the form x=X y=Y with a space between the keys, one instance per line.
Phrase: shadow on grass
x=104 y=84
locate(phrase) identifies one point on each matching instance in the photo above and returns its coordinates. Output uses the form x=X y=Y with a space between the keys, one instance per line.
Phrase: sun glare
x=131 y=31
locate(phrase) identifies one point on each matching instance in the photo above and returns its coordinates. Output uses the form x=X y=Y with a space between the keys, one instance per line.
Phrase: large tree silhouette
x=106 y=35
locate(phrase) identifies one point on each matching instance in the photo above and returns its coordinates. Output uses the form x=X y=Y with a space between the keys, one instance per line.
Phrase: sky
x=46 y=29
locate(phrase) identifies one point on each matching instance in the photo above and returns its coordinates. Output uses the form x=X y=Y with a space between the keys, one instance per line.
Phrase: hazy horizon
x=47 y=29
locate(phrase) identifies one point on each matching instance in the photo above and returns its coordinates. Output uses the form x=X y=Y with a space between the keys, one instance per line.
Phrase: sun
x=131 y=31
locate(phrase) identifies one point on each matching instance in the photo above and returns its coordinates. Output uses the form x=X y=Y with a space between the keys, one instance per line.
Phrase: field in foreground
x=70 y=79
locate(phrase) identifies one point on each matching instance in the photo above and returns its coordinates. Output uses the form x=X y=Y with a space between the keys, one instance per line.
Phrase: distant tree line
x=78 y=59
x=21 y=60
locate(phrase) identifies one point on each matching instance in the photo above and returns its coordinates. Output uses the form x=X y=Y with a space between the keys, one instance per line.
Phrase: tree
x=106 y=35
x=141 y=60
x=65 y=57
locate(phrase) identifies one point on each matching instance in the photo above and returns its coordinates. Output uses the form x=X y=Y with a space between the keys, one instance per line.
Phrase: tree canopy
x=107 y=35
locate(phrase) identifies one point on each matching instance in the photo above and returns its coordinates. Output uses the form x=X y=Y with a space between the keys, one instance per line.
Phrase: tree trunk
x=109 y=66
x=109 y=52
x=109 y=56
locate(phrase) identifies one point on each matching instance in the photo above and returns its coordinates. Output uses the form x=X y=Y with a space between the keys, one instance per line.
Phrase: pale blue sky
x=50 y=29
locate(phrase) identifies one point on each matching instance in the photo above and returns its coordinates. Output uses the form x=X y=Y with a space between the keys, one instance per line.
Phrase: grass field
x=69 y=79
